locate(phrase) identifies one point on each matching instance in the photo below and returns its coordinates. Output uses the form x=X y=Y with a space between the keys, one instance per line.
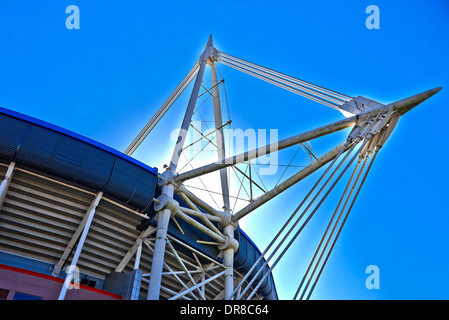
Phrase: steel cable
x=324 y=236
x=312 y=91
x=312 y=213
x=363 y=133
x=287 y=77
x=289 y=88
x=350 y=140
x=343 y=223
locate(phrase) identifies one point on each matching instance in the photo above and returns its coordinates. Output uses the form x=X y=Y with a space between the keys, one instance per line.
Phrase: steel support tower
x=177 y=269
x=372 y=124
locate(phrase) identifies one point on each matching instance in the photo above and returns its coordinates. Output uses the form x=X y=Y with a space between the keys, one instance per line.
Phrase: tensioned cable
x=250 y=179
x=215 y=192
x=335 y=99
x=292 y=216
x=202 y=182
x=207 y=143
x=365 y=153
x=308 y=151
x=258 y=175
x=223 y=91
x=325 y=234
x=240 y=188
x=301 y=87
x=285 y=226
x=377 y=142
x=288 y=166
x=282 y=85
x=162 y=110
x=250 y=271
x=356 y=131
x=366 y=136
x=343 y=222
x=199 y=105
x=308 y=218
x=278 y=165
x=285 y=76
x=203 y=136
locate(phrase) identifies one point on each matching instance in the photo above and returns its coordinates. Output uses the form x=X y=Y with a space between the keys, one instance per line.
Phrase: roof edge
x=77 y=136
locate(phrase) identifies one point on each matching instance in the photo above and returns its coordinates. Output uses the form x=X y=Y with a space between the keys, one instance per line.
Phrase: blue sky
x=106 y=79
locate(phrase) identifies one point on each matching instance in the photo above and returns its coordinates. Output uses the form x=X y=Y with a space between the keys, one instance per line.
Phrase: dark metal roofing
x=54 y=150
x=51 y=149
x=244 y=259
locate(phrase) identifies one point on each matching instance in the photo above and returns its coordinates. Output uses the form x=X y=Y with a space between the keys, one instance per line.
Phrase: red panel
x=55 y=280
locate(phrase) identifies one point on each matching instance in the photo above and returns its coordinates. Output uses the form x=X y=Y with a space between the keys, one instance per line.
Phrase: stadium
x=52 y=178
x=82 y=221
x=57 y=184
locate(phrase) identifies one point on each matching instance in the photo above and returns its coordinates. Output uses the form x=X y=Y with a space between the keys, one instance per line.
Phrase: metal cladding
x=43 y=147
x=244 y=259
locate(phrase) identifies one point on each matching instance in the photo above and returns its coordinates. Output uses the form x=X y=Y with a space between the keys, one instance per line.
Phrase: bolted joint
x=378 y=125
x=215 y=54
x=166 y=202
x=165 y=178
x=229 y=244
x=208 y=53
x=226 y=218
x=213 y=57
x=181 y=189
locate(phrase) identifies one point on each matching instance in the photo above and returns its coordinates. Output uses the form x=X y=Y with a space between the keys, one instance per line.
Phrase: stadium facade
x=53 y=182
x=80 y=220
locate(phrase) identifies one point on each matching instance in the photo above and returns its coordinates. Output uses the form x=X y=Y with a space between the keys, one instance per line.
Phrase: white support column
x=79 y=247
x=228 y=261
x=228 y=230
x=190 y=108
x=158 y=255
x=138 y=255
x=220 y=136
x=163 y=215
x=6 y=182
x=75 y=237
